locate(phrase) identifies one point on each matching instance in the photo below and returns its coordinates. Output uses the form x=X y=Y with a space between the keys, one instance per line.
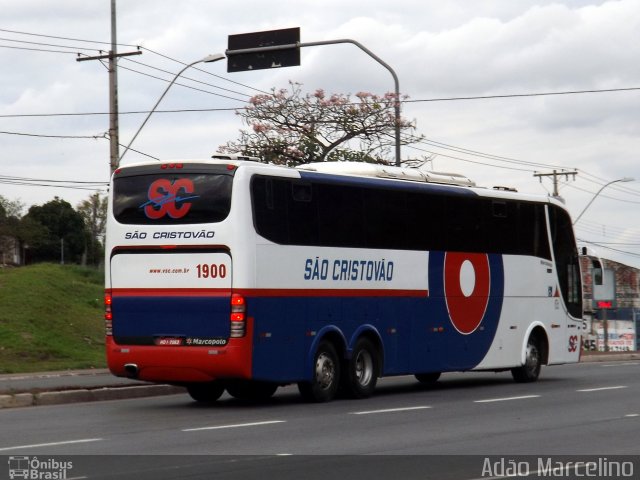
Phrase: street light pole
x=208 y=59
x=624 y=179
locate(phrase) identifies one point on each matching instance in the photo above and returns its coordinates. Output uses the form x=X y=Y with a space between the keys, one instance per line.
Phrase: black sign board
x=267 y=58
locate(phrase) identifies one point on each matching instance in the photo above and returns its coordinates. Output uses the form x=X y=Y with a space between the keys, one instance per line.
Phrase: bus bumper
x=180 y=364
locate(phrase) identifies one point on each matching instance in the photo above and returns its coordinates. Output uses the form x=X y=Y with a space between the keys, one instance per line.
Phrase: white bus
x=237 y=275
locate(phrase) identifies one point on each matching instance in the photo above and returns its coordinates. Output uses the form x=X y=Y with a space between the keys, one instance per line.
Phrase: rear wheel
x=326 y=375
x=207 y=392
x=530 y=371
x=362 y=372
x=251 y=389
x=428 y=378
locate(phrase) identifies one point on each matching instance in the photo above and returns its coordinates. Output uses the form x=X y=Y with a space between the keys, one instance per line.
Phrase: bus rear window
x=171 y=197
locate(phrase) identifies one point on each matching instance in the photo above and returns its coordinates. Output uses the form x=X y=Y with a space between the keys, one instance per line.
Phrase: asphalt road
x=581 y=409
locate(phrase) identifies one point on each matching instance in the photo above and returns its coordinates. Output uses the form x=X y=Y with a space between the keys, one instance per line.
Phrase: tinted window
x=302 y=212
x=567 y=261
x=171 y=197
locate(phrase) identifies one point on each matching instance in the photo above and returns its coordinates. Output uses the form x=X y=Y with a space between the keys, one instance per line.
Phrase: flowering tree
x=291 y=128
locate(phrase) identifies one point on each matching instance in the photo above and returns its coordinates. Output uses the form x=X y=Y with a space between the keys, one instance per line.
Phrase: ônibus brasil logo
x=166 y=198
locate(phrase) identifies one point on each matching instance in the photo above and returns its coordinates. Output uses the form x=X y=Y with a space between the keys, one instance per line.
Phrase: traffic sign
x=263 y=50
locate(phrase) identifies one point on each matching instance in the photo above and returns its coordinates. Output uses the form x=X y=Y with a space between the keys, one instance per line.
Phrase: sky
x=446 y=54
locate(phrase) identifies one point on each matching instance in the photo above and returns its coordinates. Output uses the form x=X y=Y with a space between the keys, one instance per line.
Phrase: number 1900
x=211 y=270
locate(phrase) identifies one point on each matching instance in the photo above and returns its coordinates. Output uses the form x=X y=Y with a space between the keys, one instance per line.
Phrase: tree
x=14 y=227
x=94 y=214
x=291 y=128
x=65 y=232
x=10 y=208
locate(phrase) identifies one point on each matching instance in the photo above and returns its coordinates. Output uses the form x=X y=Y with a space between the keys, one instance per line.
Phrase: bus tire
x=362 y=370
x=530 y=371
x=428 y=378
x=251 y=390
x=206 y=392
x=326 y=375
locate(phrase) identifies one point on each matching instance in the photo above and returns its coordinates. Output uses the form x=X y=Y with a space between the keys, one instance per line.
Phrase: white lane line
x=237 y=425
x=51 y=444
x=621 y=364
x=632 y=415
x=391 y=410
x=505 y=399
x=599 y=389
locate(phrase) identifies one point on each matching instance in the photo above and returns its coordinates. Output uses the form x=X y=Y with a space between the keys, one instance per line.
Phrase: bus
x=231 y=274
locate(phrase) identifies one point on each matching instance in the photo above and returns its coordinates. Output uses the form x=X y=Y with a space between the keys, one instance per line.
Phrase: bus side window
x=567 y=261
x=269 y=208
x=302 y=214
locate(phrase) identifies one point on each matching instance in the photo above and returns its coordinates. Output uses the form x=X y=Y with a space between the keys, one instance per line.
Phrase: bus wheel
x=251 y=389
x=428 y=378
x=363 y=370
x=326 y=375
x=530 y=371
x=206 y=392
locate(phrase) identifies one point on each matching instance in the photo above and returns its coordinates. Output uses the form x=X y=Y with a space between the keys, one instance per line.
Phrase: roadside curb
x=609 y=357
x=86 y=395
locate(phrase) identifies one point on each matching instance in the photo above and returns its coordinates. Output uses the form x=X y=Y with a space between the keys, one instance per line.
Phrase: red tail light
x=108 y=315
x=238 y=316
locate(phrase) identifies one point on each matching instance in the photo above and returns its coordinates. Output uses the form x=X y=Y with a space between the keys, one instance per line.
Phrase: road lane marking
x=391 y=410
x=632 y=415
x=505 y=399
x=621 y=364
x=51 y=444
x=598 y=389
x=236 y=425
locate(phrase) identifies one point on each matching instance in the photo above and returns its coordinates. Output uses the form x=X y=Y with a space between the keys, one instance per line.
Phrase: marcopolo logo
x=37 y=468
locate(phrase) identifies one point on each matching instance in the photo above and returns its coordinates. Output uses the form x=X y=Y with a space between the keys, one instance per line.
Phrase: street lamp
x=208 y=59
x=624 y=179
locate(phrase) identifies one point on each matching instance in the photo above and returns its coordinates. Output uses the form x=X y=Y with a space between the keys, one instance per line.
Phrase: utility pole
x=112 y=56
x=555 y=174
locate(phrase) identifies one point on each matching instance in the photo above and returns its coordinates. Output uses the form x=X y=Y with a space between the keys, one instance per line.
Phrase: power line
x=132 y=112
x=603 y=245
x=94 y=137
x=518 y=95
x=204 y=71
x=36 y=49
x=185 y=77
x=46 y=44
x=120 y=67
x=123 y=45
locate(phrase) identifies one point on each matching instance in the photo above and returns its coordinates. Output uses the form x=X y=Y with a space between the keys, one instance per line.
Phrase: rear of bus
x=171 y=313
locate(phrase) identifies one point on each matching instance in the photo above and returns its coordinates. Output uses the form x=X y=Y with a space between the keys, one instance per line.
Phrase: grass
x=51 y=318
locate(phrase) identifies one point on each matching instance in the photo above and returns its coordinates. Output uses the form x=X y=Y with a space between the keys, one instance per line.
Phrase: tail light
x=238 y=316
x=108 y=315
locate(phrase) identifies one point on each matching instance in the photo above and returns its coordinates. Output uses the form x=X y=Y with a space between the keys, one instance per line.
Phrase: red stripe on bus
x=265 y=292
x=329 y=292
x=171 y=292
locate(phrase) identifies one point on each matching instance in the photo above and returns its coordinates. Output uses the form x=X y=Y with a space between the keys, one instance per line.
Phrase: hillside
x=51 y=318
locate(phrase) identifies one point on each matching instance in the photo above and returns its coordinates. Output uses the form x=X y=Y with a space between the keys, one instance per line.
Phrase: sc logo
x=169 y=198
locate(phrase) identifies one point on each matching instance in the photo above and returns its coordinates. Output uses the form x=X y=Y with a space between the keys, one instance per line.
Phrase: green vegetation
x=51 y=318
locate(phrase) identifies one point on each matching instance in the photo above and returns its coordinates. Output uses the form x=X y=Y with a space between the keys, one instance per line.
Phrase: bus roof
x=364 y=170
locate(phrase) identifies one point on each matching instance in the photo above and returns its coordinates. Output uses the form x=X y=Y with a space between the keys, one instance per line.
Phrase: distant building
x=611 y=294
x=10 y=250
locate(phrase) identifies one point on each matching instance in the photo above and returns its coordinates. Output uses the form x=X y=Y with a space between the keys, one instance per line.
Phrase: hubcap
x=325 y=371
x=364 y=367
x=532 y=358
